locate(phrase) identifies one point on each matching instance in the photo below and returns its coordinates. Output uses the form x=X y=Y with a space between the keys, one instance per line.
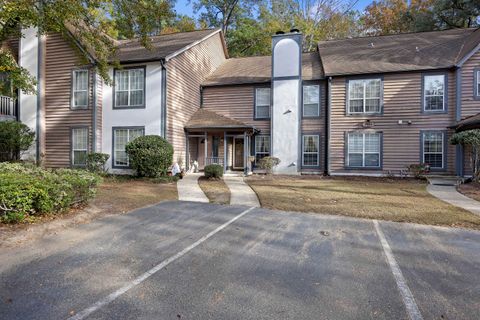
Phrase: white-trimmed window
x=122 y=136
x=310 y=150
x=262 y=147
x=311 y=100
x=434 y=92
x=477 y=83
x=79 y=146
x=363 y=150
x=365 y=96
x=262 y=103
x=80 y=89
x=130 y=88
x=433 y=149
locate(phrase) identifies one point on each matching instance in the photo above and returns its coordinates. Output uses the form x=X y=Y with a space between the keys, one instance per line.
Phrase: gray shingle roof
x=162 y=46
x=205 y=119
x=259 y=69
x=393 y=53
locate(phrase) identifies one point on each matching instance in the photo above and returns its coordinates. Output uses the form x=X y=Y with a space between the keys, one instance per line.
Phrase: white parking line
x=407 y=296
x=86 y=312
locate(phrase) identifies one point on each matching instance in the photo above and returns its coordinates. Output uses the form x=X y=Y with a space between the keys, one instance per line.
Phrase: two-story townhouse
x=73 y=112
x=361 y=106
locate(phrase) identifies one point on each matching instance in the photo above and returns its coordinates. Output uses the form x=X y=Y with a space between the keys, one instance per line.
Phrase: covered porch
x=215 y=139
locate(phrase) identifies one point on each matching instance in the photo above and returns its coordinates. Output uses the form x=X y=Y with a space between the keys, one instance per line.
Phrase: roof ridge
x=396 y=34
x=169 y=34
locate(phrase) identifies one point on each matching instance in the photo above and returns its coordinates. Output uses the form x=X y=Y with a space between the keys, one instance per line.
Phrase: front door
x=238 y=153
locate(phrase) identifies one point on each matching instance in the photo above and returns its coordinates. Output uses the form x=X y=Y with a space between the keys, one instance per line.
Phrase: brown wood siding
x=61 y=58
x=402 y=101
x=470 y=106
x=236 y=102
x=13 y=45
x=185 y=73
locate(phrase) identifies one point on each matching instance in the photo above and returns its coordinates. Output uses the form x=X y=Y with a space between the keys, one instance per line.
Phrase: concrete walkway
x=451 y=195
x=189 y=190
x=240 y=192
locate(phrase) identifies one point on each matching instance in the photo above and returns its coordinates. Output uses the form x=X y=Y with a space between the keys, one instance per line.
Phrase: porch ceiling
x=208 y=120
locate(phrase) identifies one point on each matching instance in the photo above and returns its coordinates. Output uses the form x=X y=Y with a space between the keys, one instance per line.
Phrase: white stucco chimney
x=286 y=90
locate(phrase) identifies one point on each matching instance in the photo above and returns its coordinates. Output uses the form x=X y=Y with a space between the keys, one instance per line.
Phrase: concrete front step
x=444 y=180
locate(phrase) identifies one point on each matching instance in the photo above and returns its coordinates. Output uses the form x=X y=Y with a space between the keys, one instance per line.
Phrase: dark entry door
x=238 y=153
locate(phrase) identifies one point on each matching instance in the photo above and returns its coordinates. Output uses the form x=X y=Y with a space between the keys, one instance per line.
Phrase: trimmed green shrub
x=96 y=161
x=150 y=156
x=268 y=163
x=15 y=138
x=26 y=190
x=213 y=171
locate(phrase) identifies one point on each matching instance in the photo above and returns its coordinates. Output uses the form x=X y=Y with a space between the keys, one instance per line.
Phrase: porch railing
x=214 y=160
x=7 y=106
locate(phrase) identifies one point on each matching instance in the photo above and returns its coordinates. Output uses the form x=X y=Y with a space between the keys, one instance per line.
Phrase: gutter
x=94 y=113
x=327 y=126
x=163 y=102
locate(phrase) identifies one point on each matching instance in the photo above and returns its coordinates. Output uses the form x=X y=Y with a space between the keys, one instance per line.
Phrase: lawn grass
x=119 y=194
x=401 y=200
x=215 y=189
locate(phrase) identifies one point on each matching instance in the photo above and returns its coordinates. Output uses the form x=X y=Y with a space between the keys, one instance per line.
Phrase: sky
x=186 y=7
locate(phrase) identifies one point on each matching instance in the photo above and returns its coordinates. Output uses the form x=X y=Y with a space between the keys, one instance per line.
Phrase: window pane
x=355 y=89
x=310 y=159
x=310 y=143
x=80 y=80
x=121 y=158
x=135 y=133
x=80 y=98
x=435 y=160
x=311 y=94
x=263 y=111
x=355 y=143
x=136 y=80
x=434 y=92
x=262 y=144
x=372 y=160
x=355 y=160
x=262 y=96
x=79 y=158
x=372 y=88
x=434 y=103
x=372 y=142
x=356 y=106
x=433 y=142
x=136 y=98
x=372 y=105
x=121 y=98
x=121 y=80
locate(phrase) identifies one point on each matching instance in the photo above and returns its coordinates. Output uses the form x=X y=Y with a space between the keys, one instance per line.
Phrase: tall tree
x=91 y=23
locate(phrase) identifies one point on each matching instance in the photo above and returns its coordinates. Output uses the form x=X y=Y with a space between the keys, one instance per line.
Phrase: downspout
x=327 y=126
x=94 y=112
x=459 y=152
x=163 y=120
x=40 y=109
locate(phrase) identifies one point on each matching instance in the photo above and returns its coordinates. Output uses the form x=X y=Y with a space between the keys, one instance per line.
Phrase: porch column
x=187 y=151
x=224 y=151
x=245 y=149
x=206 y=149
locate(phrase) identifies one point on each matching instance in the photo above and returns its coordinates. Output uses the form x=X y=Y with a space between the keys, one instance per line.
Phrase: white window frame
x=262 y=105
x=444 y=94
x=363 y=150
x=364 y=98
x=114 y=149
x=443 y=149
x=129 y=90
x=73 y=149
x=75 y=90
x=477 y=83
x=304 y=152
x=317 y=103
x=265 y=154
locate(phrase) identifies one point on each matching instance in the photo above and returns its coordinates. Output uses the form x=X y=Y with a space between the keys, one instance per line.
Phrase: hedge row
x=26 y=190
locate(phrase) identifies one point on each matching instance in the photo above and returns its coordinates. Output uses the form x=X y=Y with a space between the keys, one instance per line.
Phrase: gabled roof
x=204 y=119
x=472 y=122
x=258 y=69
x=163 y=46
x=400 y=52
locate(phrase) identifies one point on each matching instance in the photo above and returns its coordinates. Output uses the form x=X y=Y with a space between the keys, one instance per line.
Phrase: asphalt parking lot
x=183 y=260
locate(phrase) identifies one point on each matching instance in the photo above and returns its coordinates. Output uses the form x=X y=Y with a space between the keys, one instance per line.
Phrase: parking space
x=182 y=260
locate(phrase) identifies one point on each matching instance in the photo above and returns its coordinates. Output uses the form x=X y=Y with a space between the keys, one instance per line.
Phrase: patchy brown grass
x=215 y=189
x=471 y=190
x=374 y=198
x=115 y=195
